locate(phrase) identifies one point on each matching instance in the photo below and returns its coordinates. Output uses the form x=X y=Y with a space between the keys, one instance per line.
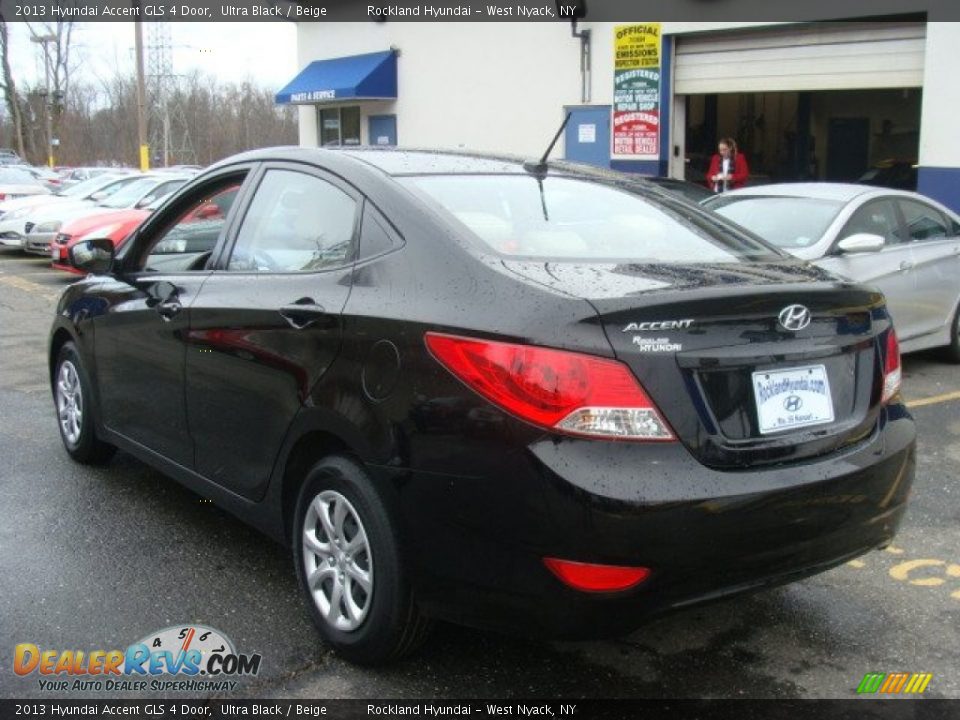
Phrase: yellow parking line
x=946 y=397
x=30 y=286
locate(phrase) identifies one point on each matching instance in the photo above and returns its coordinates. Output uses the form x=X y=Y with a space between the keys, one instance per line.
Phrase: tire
x=373 y=617
x=73 y=402
x=952 y=351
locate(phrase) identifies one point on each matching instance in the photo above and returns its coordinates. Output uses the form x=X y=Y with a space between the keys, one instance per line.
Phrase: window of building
x=339 y=126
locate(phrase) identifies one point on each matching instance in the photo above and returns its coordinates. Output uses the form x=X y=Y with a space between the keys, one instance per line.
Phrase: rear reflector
x=892 y=373
x=589 y=577
x=564 y=391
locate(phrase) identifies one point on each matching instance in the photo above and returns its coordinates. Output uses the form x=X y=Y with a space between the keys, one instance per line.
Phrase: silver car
x=904 y=243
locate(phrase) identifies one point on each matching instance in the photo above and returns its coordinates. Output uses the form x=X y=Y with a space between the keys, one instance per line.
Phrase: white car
x=14 y=214
x=17 y=182
x=903 y=243
x=42 y=226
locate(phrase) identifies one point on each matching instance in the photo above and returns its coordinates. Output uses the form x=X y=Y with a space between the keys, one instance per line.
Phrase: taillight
x=892 y=374
x=563 y=391
x=590 y=577
x=3 y=196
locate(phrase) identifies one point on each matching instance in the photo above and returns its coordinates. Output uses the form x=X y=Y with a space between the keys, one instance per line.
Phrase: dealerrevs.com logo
x=187 y=658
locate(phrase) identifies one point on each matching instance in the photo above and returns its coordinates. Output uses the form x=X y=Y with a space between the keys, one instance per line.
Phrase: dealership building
x=826 y=100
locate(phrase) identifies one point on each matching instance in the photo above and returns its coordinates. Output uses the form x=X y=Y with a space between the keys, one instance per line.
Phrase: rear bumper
x=476 y=544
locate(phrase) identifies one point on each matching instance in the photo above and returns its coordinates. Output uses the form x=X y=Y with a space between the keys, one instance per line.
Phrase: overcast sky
x=264 y=52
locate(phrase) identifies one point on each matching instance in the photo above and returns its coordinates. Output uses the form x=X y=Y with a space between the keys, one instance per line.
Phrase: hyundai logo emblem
x=792 y=403
x=795 y=317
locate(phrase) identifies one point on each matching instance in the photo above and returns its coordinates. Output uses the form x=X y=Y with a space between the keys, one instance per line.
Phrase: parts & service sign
x=180 y=658
x=636 y=89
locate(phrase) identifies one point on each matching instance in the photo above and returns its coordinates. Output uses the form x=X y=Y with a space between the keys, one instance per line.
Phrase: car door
x=267 y=324
x=139 y=344
x=935 y=243
x=890 y=269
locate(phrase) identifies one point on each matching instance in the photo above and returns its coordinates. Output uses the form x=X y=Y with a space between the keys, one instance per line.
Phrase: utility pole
x=141 y=100
x=47 y=98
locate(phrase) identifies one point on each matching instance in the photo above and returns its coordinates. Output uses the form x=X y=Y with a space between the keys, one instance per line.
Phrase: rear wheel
x=348 y=563
x=74 y=401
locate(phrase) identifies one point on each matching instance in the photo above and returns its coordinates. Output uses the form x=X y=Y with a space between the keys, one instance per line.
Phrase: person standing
x=728 y=168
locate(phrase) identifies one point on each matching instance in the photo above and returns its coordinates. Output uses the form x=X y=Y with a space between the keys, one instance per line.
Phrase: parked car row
x=33 y=222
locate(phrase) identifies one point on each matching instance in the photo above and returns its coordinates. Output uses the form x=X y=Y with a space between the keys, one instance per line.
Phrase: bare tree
x=57 y=65
x=10 y=96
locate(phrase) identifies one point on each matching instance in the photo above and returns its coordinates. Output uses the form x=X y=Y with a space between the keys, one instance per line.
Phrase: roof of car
x=418 y=161
x=842 y=192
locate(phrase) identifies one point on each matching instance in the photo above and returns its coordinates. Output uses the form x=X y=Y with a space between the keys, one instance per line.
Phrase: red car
x=118 y=225
x=115 y=225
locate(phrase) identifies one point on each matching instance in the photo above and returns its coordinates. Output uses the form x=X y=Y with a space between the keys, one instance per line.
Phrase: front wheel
x=952 y=351
x=73 y=399
x=349 y=566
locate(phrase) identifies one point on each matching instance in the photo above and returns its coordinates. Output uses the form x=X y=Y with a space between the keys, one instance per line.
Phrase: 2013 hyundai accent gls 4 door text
x=547 y=400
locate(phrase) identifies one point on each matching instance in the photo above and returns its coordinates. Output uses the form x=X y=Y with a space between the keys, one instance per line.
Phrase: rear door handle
x=305 y=312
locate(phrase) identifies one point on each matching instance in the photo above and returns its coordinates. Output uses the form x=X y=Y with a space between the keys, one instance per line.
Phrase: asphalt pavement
x=97 y=558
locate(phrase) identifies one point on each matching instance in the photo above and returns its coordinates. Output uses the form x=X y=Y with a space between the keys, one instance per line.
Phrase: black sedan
x=535 y=398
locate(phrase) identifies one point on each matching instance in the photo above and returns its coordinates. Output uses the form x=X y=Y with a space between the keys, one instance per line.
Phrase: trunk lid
x=708 y=346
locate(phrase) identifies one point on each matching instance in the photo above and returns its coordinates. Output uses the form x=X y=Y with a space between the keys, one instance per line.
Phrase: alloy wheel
x=337 y=561
x=69 y=402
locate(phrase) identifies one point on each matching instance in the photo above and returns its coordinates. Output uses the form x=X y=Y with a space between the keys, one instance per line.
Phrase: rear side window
x=565 y=217
x=295 y=223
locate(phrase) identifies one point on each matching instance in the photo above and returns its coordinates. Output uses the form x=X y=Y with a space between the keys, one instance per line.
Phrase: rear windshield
x=572 y=218
x=791 y=223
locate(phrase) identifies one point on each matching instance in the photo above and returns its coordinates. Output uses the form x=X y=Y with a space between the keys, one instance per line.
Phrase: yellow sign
x=636 y=46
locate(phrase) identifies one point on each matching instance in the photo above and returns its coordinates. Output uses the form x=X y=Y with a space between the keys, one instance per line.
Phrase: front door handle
x=906 y=265
x=305 y=312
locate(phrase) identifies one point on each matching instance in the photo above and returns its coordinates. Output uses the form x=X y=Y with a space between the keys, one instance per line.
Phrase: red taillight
x=564 y=391
x=3 y=196
x=892 y=374
x=589 y=577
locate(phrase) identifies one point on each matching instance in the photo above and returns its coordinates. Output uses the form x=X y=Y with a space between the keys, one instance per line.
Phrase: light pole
x=47 y=97
x=141 y=98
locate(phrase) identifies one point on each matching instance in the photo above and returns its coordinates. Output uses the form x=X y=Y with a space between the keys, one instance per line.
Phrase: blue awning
x=364 y=77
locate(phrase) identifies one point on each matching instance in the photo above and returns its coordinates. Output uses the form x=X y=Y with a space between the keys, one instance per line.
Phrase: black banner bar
x=506 y=709
x=467 y=10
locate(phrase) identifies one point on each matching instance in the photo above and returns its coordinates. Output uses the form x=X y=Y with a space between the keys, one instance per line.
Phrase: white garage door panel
x=874 y=55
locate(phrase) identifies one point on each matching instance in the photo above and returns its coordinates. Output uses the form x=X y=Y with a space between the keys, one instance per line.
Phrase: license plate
x=792 y=398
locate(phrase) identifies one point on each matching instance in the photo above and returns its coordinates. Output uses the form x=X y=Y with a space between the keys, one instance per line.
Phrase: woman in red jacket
x=728 y=168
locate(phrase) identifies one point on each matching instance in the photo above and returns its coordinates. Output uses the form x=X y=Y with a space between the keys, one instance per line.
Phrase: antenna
x=540 y=167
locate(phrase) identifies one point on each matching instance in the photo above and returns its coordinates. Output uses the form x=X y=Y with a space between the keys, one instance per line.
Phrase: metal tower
x=169 y=133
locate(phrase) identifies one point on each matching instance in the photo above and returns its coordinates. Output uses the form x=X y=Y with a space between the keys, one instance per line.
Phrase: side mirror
x=94 y=256
x=99 y=195
x=860 y=243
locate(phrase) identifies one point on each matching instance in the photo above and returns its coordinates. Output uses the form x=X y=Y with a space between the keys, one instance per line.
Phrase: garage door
x=827 y=56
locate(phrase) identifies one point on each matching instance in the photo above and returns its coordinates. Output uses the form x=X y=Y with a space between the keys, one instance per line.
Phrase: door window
x=187 y=242
x=295 y=223
x=875 y=218
x=923 y=222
